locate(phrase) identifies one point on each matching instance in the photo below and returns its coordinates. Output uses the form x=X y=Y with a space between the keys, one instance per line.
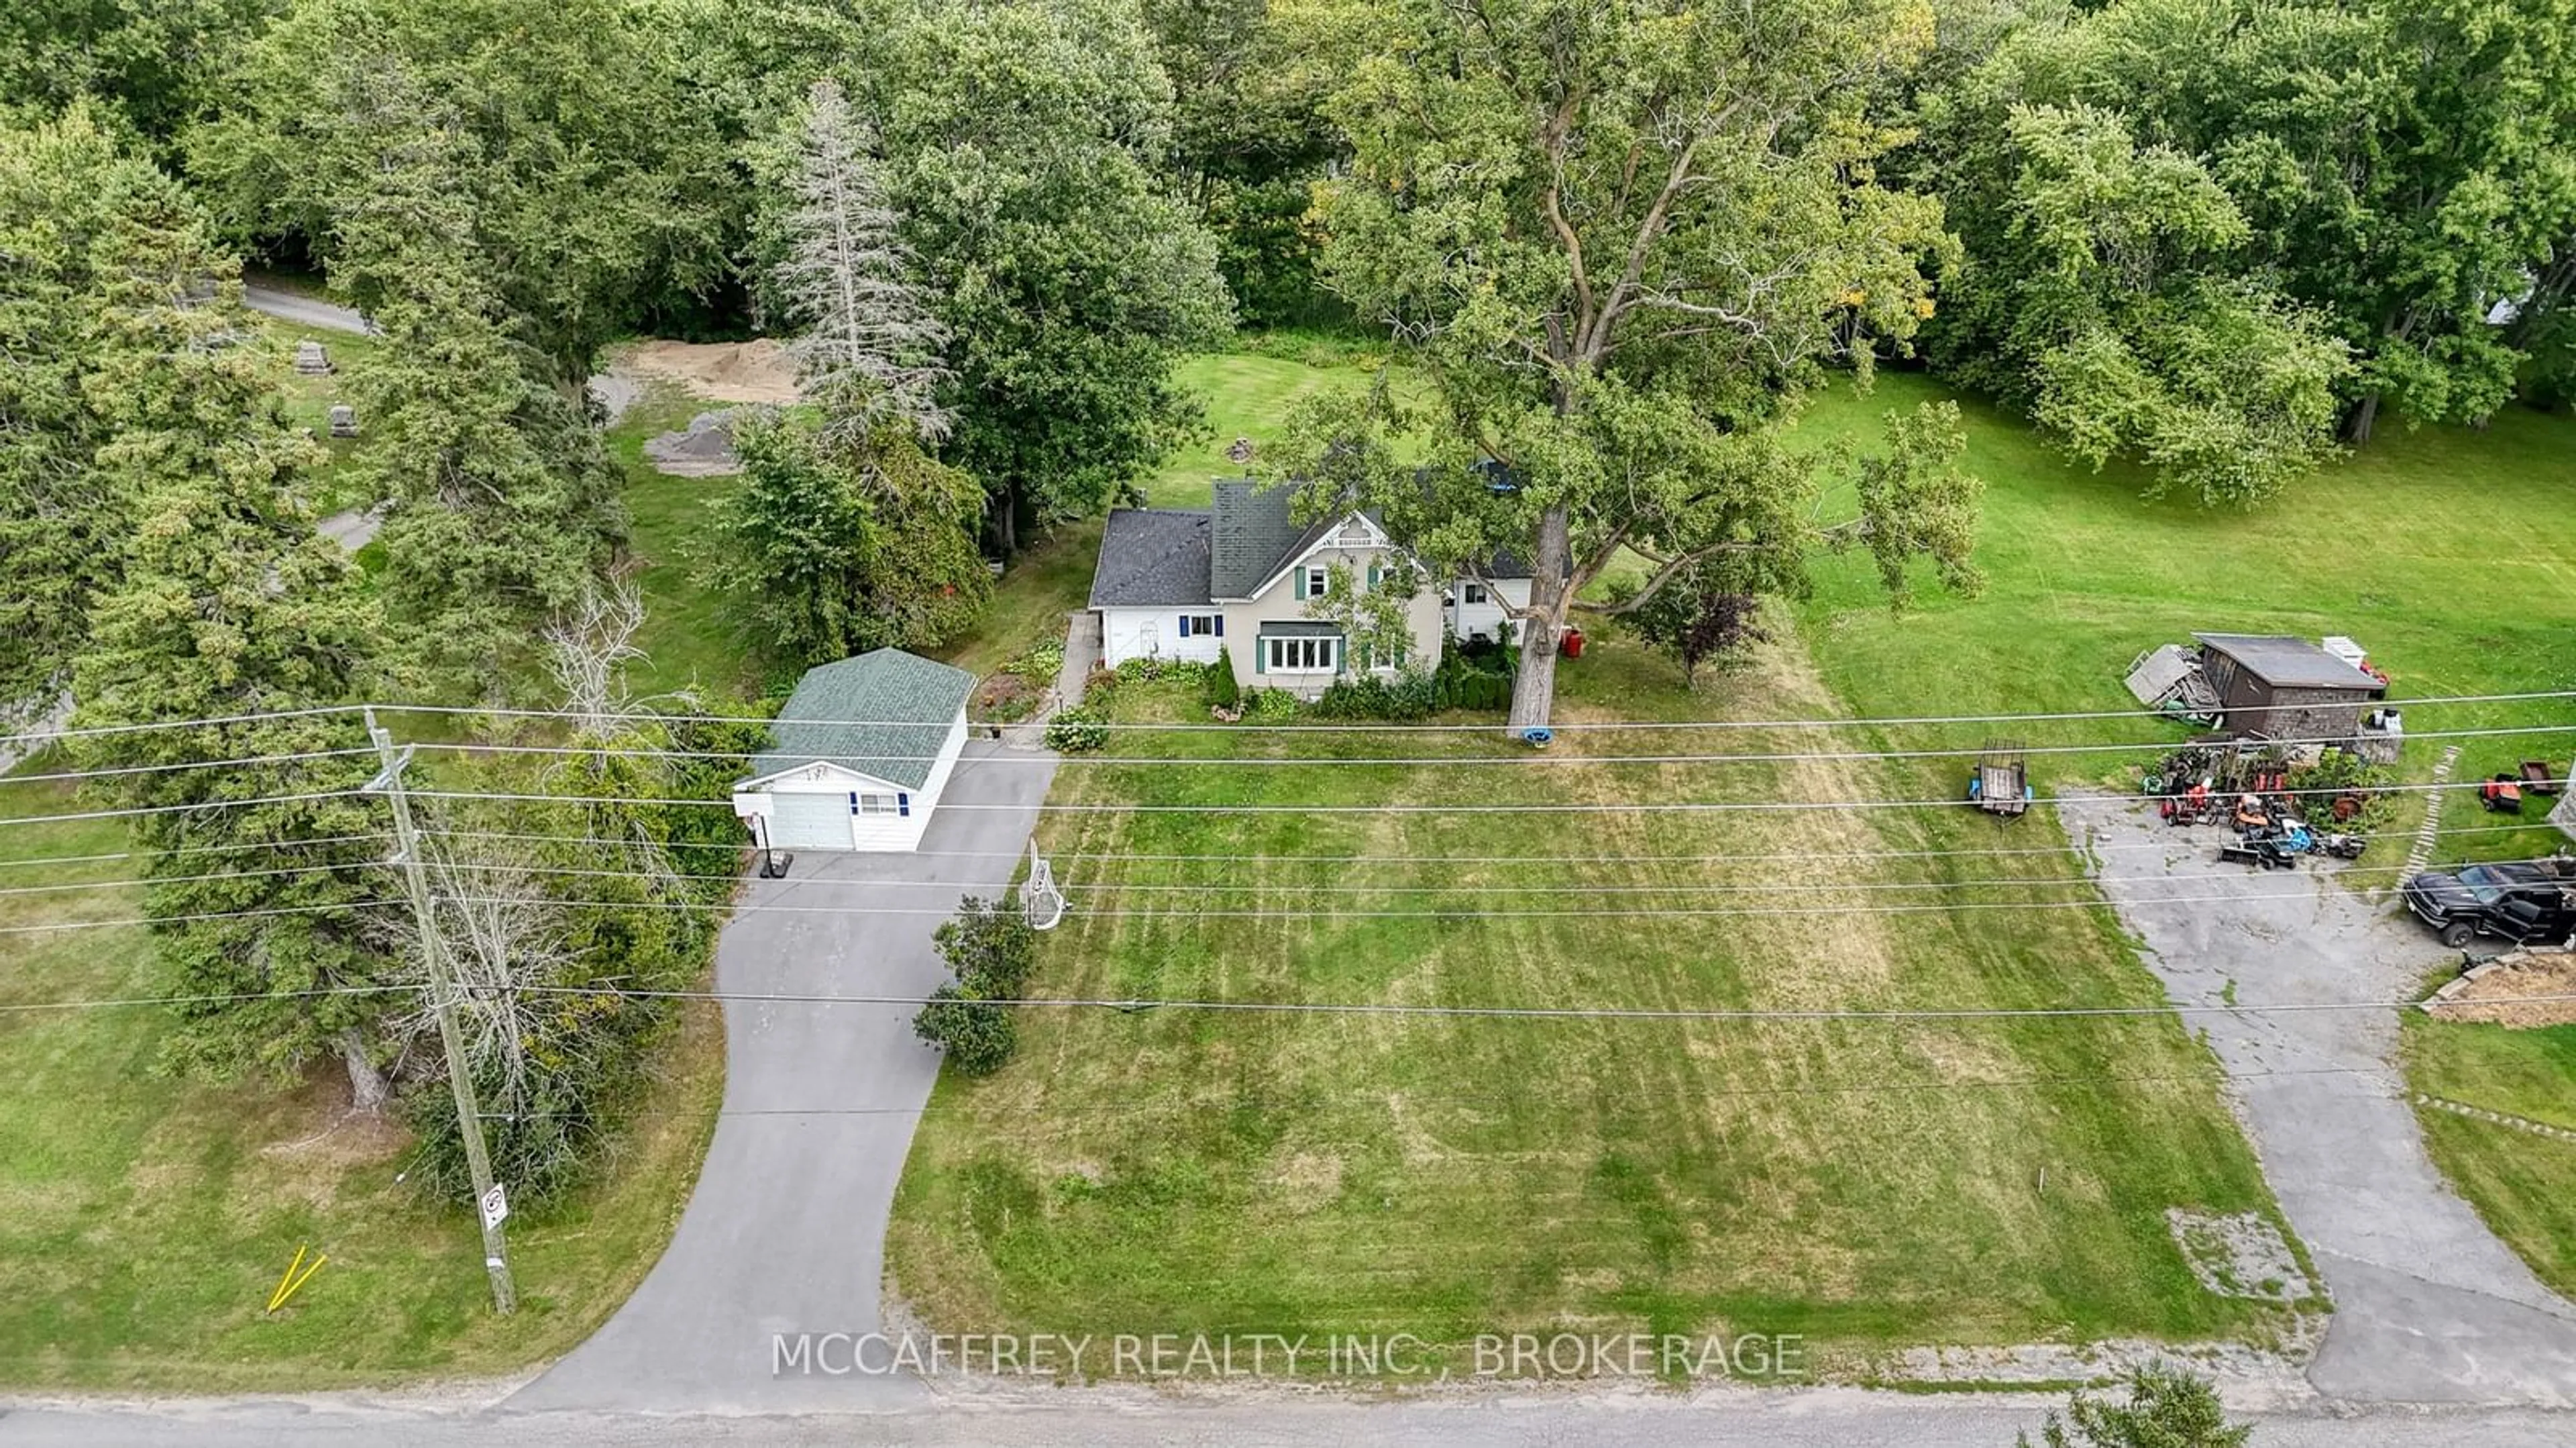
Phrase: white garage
x=864 y=748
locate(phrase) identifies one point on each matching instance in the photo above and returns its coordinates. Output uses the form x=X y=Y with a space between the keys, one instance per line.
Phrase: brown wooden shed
x=2285 y=688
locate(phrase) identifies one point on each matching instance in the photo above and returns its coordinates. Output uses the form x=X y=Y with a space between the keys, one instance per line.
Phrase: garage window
x=1202 y=625
x=876 y=804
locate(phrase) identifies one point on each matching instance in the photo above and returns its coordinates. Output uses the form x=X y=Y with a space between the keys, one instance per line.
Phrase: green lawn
x=1866 y=1184
x=1247 y=397
x=2433 y=548
x=309 y=401
x=2522 y=1183
x=145 y=1218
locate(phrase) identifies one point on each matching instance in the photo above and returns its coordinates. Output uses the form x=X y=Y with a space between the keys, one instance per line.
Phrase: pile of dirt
x=756 y=371
x=2490 y=994
x=704 y=449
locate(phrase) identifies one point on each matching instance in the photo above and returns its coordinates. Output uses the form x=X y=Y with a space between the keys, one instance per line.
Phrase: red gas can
x=1571 y=644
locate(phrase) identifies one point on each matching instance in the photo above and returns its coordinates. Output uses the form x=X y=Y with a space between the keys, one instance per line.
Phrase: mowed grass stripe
x=1449 y=1176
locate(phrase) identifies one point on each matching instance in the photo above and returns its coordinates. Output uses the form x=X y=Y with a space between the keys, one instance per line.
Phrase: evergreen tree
x=869 y=352
x=227 y=605
x=505 y=506
x=67 y=196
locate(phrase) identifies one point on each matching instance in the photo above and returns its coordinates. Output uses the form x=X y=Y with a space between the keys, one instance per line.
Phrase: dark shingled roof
x=1152 y=556
x=884 y=714
x=1255 y=532
x=2289 y=663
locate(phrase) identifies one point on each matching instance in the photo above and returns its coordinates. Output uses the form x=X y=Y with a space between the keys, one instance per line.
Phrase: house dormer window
x=1311 y=582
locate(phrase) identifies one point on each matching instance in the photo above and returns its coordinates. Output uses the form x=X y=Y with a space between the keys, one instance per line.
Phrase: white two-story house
x=1234 y=581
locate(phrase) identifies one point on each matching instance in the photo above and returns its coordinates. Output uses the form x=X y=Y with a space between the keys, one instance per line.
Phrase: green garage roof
x=884 y=713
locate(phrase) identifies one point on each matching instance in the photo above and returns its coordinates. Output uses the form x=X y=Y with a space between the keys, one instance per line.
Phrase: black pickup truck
x=2524 y=901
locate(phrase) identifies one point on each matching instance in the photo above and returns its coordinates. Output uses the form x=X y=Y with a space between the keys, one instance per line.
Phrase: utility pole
x=489 y=1204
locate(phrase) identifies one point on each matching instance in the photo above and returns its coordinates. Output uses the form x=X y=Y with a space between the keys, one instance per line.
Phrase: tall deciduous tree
x=1620 y=237
x=1024 y=148
x=824 y=551
x=2402 y=165
x=156 y=63
x=2108 y=288
x=1250 y=138
x=227 y=606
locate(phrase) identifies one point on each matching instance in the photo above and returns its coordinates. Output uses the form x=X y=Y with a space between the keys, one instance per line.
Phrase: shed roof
x=1152 y=556
x=884 y=713
x=2289 y=663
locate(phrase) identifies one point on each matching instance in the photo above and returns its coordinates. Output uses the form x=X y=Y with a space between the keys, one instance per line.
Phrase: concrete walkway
x=296 y=307
x=786 y=1230
x=2429 y=1306
x=1081 y=656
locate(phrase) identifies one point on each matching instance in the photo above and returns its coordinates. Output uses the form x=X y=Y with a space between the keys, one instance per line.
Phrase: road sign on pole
x=496 y=1206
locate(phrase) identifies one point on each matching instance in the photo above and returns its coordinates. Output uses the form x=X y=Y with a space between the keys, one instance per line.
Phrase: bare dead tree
x=870 y=352
x=587 y=649
x=502 y=936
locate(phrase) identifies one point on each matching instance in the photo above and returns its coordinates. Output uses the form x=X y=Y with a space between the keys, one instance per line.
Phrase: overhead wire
x=1568 y=727
x=1130 y=1005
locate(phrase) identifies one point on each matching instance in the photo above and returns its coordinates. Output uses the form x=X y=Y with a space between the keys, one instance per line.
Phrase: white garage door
x=810 y=822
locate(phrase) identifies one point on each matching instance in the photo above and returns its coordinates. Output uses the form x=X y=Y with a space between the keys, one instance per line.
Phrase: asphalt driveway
x=2429 y=1306
x=786 y=1231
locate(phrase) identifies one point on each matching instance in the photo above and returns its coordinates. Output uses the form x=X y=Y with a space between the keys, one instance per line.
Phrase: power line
x=282 y=871
x=227 y=998
x=1583 y=807
x=1135 y=1005
x=178 y=850
x=1796 y=856
x=1516 y=759
x=157 y=725
x=1523 y=758
x=1897 y=721
x=1494 y=728
x=162 y=809
x=1429 y=914
x=1636 y=1013
x=184 y=919
x=68 y=775
x=1204 y=887
x=1787 y=856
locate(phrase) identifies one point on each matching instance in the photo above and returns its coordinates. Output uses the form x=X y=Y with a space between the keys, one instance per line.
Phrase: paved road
x=1822 y=1418
x=786 y=1230
x=305 y=311
x=2429 y=1306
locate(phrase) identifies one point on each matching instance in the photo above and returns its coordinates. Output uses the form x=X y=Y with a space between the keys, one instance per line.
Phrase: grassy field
x=1867 y=1184
x=145 y=1218
x=2431 y=548
x=2522 y=1183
